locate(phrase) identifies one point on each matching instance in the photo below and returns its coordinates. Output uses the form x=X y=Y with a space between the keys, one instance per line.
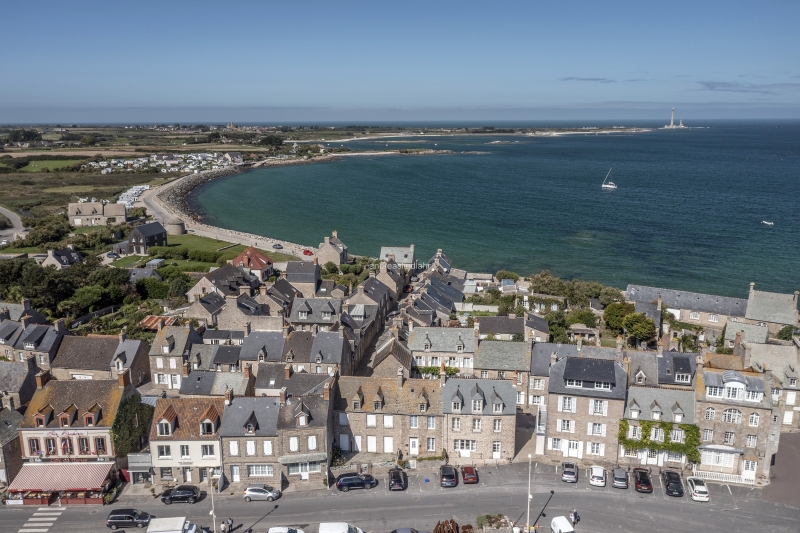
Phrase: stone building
x=586 y=401
x=391 y=355
x=781 y=363
x=393 y=276
x=101 y=357
x=249 y=435
x=25 y=339
x=255 y=262
x=505 y=360
x=707 y=310
x=315 y=314
x=500 y=328
x=17 y=383
x=304 y=276
x=61 y=259
x=10 y=449
x=332 y=250
x=304 y=437
x=142 y=238
x=96 y=213
x=454 y=347
x=771 y=309
x=171 y=348
x=228 y=280
x=244 y=312
x=404 y=256
x=536 y=328
x=480 y=419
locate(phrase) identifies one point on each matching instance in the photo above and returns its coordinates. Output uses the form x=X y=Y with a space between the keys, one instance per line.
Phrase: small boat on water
x=767 y=223
x=609 y=184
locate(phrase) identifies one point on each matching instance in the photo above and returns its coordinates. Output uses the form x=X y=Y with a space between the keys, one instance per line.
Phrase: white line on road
x=50 y=509
x=47 y=514
x=32 y=531
x=49 y=519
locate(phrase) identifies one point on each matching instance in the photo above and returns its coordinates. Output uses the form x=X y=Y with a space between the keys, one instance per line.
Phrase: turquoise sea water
x=687 y=213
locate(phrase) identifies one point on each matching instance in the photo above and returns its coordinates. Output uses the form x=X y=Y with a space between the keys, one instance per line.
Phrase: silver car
x=261 y=492
x=569 y=472
x=619 y=479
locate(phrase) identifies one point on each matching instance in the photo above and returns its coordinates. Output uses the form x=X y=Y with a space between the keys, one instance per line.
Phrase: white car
x=284 y=530
x=597 y=476
x=697 y=489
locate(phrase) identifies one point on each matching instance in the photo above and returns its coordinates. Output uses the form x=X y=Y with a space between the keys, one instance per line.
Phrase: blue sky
x=96 y=61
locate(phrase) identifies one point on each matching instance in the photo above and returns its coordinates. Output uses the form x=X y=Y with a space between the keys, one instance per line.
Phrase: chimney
x=244 y=289
x=122 y=336
x=626 y=364
x=515 y=376
x=262 y=290
x=660 y=349
x=25 y=320
x=228 y=396
x=390 y=257
x=247 y=370
x=700 y=365
x=553 y=358
x=285 y=330
x=186 y=369
x=738 y=340
x=59 y=326
x=752 y=287
x=410 y=324
x=51 y=253
x=442 y=374
x=71 y=247
x=124 y=378
x=394 y=332
x=361 y=289
x=327 y=240
x=283 y=274
x=326 y=392
x=476 y=327
x=283 y=396
x=401 y=378
x=512 y=315
x=246 y=329
x=580 y=344
x=412 y=246
x=5 y=314
x=315 y=260
x=287 y=371
x=42 y=378
x=26 y=304
x=335 y=234
x=160 y=324
x=619 y=345
x=372 y=274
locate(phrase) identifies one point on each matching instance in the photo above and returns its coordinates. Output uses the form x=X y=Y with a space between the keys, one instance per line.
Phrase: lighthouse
x=672 y=119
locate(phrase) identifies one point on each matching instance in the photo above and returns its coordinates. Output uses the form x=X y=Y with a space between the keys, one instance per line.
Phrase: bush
x=582 y=316
x=151 y=288
x=507 y=274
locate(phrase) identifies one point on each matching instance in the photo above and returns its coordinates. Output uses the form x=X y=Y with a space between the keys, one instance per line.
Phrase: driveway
x=16 y=221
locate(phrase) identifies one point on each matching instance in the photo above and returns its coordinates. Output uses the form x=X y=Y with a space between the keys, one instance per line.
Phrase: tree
x=88 y=296
x=331 y=267
x=546 y=283
x=178 y=288
x=786 y=333
x=88 y=140
x=557 y=322
x=131 y=424
x=507 y=274
x=609 y=295
x=639 y=327
x=583 y=316
x=615 y=313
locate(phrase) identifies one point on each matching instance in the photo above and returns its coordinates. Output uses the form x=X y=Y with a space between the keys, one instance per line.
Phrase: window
x=455 y=424
x=234 y=447
x=413 y=421
x=477 y=405
x=729 y=438
x=312 y=442
x=657 y=435
x=165 y=473
x=754 y=419
x=683 y=378
x=567 y=403
x=537 y=383
x=426 y=346
x=419 y=360
x=164 y=452
x=484 y=374
x=519 y=378
x=422 y=408
x=629 y=452
x=434 y=361
x=497 y=426
x=388 y=421
x=164 y=429
x=431 y=422
x=678 y=418
x=456 y=406
x=259 y=470
x=465 y=445
x=206 y=428
x=565 y=424
x=708 y=435
x=497 y=408
x=267 y=447
x=776 y=394
x=89 y=419
x=33 y=444
x=343 y=421
x=496 y=447
x=694 y=315
x=173 y=364
x=734 y=393
x=634 y=413
x=594 y=448
x=713 y=318
x=476 y=424
x=753 y=396
x=537 y=400
x=293 y=444
x=715 y=392
x=656 y=415
x=100 y=445
x=460 y=348
x=64 y=421
x=185 y=451
x=597 y=429
x=710 y=413
x=521 y=397
x=602 y=385
x=676 y=435
x=159 y=362
x=750 y=466
x=793 y=382
x=356 y=405
x=752 y=440
x=652 y=454
x=250 y=446
x=303 y=315
x=431 y=445
x=598 y=407
x=372 y=421
x=207 y=450
x=501 y=374
x=636 y=432
x=732 y=415
x=66 y=446
x=574 y=383
x=675 y=457
x=50 y=446
x=555 y=444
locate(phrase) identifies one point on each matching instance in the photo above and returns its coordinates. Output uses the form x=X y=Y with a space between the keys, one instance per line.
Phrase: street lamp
x=541 y=513
x=530 y=497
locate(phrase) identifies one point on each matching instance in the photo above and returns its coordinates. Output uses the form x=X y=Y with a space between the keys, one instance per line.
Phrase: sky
x=249 y=61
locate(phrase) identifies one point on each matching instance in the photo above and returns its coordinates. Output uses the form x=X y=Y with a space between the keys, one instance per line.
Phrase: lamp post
x=528 y=514
x=541 y=513
x=211 y=512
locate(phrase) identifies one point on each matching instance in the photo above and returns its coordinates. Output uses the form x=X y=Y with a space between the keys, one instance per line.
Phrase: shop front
x=69 y=483
x=140 y=468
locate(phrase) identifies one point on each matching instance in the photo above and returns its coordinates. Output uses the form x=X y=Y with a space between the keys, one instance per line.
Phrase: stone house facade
x=25 y=339
x=17 y=383
x=332 y=250
x=96 y=213
x=505 y=360
x=101 y=357
x=771 y=309
x=305 y=439
x=171 y=348
x=453 y=347
x=10 y=448
x=706 y=310
x=249 y=436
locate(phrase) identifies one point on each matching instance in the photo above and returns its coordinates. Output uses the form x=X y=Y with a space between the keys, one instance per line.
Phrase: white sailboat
x=608 y=184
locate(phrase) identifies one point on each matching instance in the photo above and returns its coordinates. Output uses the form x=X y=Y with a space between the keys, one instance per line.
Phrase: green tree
x=178 y=288
x=331 y=268
x=546 y=283
x=557 y=322
x=609 y=295
x=88 y=140
x=131 y=425
x=615 y=313
x=88 y=296
x=583 y=316
x=507 y=274
x=639 y=327
x=786 y=333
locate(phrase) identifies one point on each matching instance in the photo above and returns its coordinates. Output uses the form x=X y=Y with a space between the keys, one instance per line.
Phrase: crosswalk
x=42 y=520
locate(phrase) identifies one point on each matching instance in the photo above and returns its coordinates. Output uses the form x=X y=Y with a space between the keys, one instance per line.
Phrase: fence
x=86 y=318
x=722 y=477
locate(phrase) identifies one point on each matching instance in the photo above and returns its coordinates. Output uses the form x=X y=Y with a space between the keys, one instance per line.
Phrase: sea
x=688 y=212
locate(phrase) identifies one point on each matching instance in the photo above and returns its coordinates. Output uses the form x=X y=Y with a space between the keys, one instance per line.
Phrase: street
x=422 y=504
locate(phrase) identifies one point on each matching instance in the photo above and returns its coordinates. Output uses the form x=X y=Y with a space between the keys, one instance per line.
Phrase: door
x=176 y=381
x=304 y=471
x=344 y=442
x=388 y=444
x=496 y=450
x=372 y=443
x=413 y=446
x=749 y=470
x=573 y=448
x=787 y=417
x=187 y=474
x=357 y=444
x=235 y=474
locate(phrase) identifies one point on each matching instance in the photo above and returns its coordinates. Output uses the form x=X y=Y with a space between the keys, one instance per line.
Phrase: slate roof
x=442 y=260
x=668 y=402
x=201 y=355
x=83 y=394
x=17 y=377
x=503 y=355
x=402 y=254
x=599 y=352
x=330 y=347
x=377 y=290
x=67 y=256
x=502 y=325
x=212 y=302
x=751 y=333
x=588 y=370
x=490 y=390
x=540 y=355
x=9 y=422
x=427 y=303
x=283 y=290
x=302 y=272
x=44 y=338
x=395 y=399
x=9 y=331
x=226 y=355
x=86 y=353
x=707 y=303
x=718 y=379
x=150 y=229
x=261 y=412
x=392 y=348
x=315 y=406
x=210 y=383
x=227 y=279
x=143 y=273
x=538 y=323
x=223 y=335
x=17 y=311
x=267 y=343
x=772 y=307
x=442 y=339
x=646 y=362
x=781 y=361
x=273 y=376
x=298 y=343
x=651 y=311
x=249 y=306
x=315 y=307
x=189 y=413
x=183 y=336
x=126 y=352
x=671 y=363
x=446 y=290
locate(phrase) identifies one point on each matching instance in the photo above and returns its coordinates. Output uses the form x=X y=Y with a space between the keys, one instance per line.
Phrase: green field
x=128 y=261
x=39 y=166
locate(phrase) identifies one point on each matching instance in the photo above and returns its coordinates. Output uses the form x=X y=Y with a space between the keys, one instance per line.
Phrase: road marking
x=50 y=509
x=41 y=519
x=32 y=531
x=47 y=514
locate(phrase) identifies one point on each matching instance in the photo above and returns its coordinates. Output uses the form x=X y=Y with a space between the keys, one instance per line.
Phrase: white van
x=338 y=527
x=559 y=524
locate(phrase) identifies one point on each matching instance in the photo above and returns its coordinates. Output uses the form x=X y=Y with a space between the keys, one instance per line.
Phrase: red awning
x=55 y=477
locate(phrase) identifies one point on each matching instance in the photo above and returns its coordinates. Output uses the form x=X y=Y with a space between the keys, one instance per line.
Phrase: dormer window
x=460 y=348
x=326 y=315
x=422 y=407
x=303 y=315
x=602 y=385
x=456 y=406
x=119 y=365
x=656 y=415
x=30 y=346
x=251 y=428
x=683 y=378
x=426 y=346
x=574 y=383
x=39 y=421
x=64 y=421
x=302 y=420
x=640 y=378
x=165 y=348
x=260 y=357
x=634 y=413
x=89 y=420
x=356 y=405
x=477 y=405
x=206 y=427
x=376 y=405
x=497 y=408
x=318 y=358
x=793 y=382
x=164 y=429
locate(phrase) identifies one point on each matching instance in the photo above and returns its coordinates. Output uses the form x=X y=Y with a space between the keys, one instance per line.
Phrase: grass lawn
x=196 y=242
x=30 y=250
x=39 y=166
x=86 y=229
x=129 y=261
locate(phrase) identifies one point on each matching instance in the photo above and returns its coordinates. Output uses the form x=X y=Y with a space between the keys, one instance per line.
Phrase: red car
x=469 y=474
x=307 y=252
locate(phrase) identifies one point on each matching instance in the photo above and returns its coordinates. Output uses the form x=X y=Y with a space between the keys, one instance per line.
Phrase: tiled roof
x=189 y=413
x=299 y=344
x=93 y=352
x=315 y=307
x=151 y=321
x=329 y=347
x=83 y=395
x=395 y=399
x=17 y=377
x=707 y=303
x=252 y=258
x=150 y=229
x=772 y=307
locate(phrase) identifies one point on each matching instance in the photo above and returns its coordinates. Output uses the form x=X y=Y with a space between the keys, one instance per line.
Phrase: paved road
x=16 y=221
x=785 y=473
x=502 y=490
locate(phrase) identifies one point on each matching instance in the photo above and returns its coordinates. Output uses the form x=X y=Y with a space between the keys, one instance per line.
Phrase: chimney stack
x=335 y=234
x=160 y=324
x=287 y=371
x=361 y=289
x=124 y=378
x=59 y=326
x=316 y=262
x=186 y=369
x=283 y=396
x=327 y=240
x=580 y=344
x=285 y=330
x=476 y=327
x=401 y=378
x=247 y=370
x=5 y=314
x=442 y=374
x=553 y=358
x=25 y=320
x=26 y=304
x=122 y=336
x=246 y=329
x=262 y=290
x=619 y=345
x=228 y=396
x=42 y=378
x=626 y=364
x=326 y=392
x=660 y=349
x=700 y=364
x=738 y=340
x=752 y=287
x=410 y=324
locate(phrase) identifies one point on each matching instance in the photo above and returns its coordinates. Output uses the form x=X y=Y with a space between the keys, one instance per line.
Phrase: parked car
x=338 y=527
x=127 y=518
x=396 y=481
x=698 y=490
x=277 y=246
x=569 y=472
x=112 y=255
x=4 y=242
x=284 y=530
x=261 y=492
x=619 y=478
x=641 y=478
x=469 y=475
x=597 y=476
x=181 y=493
x=672 y=483
x=405 y=530
x=352 y=480
x=308 y=252
x=448 y=476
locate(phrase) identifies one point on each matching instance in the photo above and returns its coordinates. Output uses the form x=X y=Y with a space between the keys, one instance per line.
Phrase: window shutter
x=603 y=446
x=234 y=447
x=605 y=408
x=530 y=399
x=572 y=426
x=564 y=444
x=560 y=402
x=630 y=432
x=549 y=444
x=558 y=424
x=267 y=447
x=589 y=429
x=251 y=447
x=602 y=431
x=591 y=406
x=574 y=405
